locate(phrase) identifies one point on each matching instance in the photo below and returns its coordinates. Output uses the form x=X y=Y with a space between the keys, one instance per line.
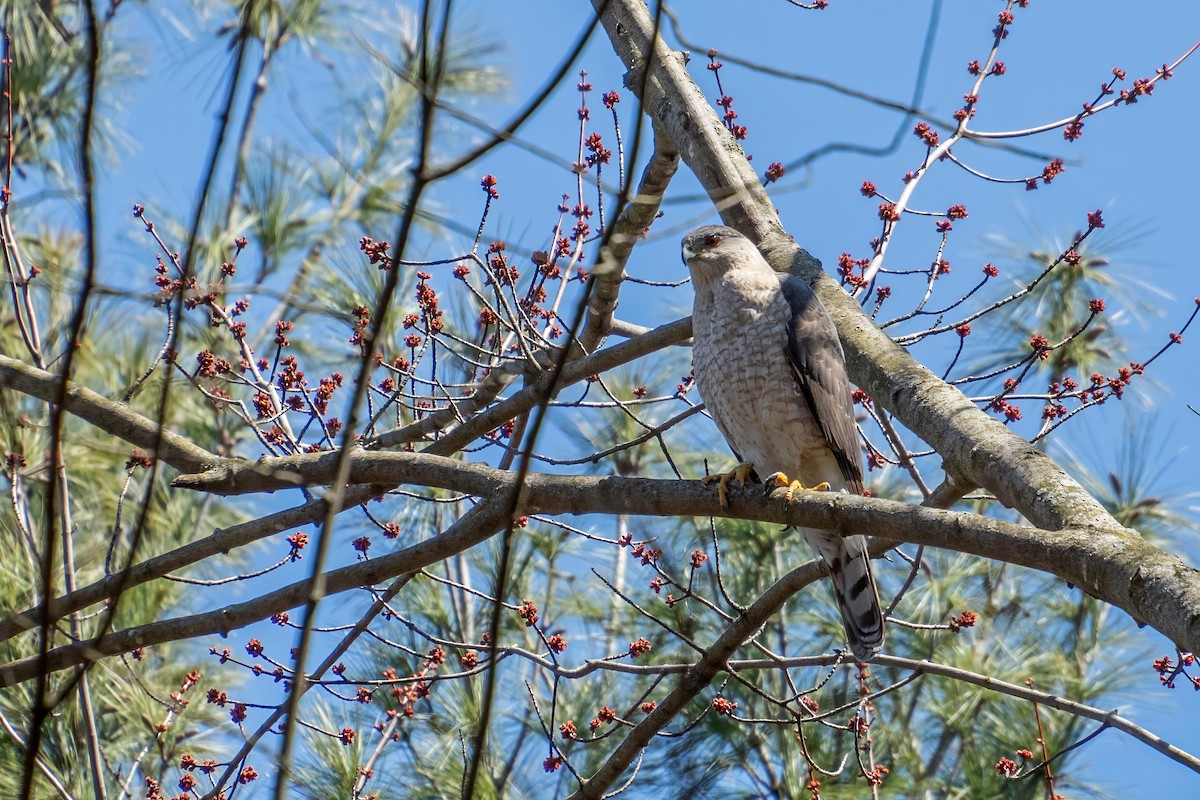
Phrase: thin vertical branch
x=42 y=704
x=86 y=709
x=18 y=279
x=258 y=90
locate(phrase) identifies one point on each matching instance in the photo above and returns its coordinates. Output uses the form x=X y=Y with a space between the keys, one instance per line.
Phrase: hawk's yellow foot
x=740 y=473
x=783 y=480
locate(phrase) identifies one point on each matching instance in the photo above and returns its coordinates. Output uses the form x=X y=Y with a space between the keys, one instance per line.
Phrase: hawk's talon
x=779 y=479
x=740 y=473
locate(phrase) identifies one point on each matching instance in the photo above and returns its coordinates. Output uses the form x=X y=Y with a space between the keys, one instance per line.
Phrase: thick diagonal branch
x=220 y=541
x=627 y=230
x=481 y=526
x=108 y=415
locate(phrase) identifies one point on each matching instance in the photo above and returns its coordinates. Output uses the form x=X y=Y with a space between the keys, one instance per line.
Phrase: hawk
x=771 y=370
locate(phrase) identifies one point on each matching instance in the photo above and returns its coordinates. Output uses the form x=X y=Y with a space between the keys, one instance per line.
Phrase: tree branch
x=1112 y=564
x=223 y=620
x=627 y=231
x=221 y=541
x=110 y=416
x=601 y=361
x=1108 y=561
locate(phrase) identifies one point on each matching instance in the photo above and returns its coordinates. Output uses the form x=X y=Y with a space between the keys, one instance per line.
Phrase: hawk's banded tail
x=854 y=587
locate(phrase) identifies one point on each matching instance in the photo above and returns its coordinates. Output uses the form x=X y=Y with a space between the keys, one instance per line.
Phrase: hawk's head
x=713 y=250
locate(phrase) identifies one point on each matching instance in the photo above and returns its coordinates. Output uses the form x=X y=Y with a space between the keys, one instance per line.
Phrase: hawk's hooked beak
x=687 y=254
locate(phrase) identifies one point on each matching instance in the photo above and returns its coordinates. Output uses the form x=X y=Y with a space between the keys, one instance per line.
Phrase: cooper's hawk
x=772 y=374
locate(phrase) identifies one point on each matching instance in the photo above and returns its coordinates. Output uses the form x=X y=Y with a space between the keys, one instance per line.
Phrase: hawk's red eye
x=712 y=240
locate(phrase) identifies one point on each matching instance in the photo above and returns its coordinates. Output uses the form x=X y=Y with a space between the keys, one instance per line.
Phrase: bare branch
x=110 y=416
x=1110 y=563
x=581 y=369
x=238 y=615
x=628 y=229
x=221 y=541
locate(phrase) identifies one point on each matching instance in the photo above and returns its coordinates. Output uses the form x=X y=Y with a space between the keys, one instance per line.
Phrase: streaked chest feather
x=745 y=376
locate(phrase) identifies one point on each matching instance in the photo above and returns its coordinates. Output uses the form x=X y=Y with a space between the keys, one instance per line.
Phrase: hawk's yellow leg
x=783 y=480
x=740 y=473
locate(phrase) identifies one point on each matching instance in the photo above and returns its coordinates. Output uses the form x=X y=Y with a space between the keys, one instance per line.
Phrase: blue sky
x=1136 y=163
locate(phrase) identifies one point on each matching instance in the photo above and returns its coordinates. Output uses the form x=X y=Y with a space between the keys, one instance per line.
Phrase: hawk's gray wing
x=820 y=369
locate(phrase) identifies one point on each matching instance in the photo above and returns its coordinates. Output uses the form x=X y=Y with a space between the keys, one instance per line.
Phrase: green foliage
x=1057 y=306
